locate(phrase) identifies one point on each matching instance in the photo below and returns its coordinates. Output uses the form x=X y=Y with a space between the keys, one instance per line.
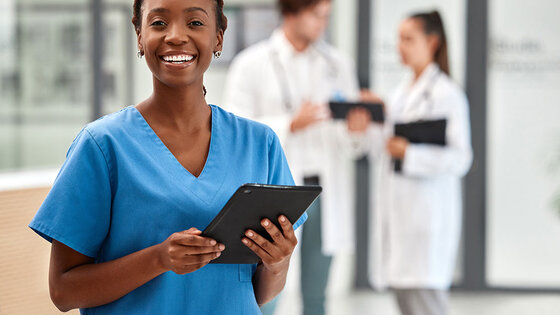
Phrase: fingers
x=192 y=263
x=200 y=259
x=258 y=245
x=287 y=229
x=358 y=119
x=197 y=250
x=192 y=238
x=284 y=240
x=273 y=231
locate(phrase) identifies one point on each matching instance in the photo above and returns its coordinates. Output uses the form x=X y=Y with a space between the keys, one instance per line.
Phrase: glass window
x=45 y=85
x=523 y=144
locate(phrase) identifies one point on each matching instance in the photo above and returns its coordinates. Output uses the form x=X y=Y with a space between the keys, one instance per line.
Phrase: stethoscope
x=426 y=96
x=282 y=75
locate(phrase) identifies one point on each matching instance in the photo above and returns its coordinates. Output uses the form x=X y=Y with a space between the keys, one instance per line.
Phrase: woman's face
x=178 y=39
x=415 y=47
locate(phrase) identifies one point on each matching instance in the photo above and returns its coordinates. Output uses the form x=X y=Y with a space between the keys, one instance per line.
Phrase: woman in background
x=417 y=211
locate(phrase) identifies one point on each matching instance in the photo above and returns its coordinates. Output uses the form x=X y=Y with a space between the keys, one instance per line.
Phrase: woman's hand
x=396 y=146
x=275 y=255
x=187 y=251
x=358 y=120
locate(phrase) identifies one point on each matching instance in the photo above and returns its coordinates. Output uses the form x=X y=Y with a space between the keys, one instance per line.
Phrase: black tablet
x=422 y=131
x=247 y=207
x=340 y=110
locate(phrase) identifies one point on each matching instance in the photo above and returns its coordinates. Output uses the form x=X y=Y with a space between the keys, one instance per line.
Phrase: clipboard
x=247 y=207
x=340 y=110
x=423 y=131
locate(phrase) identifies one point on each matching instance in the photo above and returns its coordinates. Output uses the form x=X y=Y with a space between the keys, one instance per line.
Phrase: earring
x=139 y=54
x=217 y=54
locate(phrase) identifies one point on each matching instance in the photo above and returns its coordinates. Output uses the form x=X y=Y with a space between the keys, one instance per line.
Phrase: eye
x=158 y=23
x=196 y=23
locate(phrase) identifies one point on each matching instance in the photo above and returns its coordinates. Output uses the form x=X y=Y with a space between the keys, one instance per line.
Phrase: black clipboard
x=247 y=207
x=340 y=110
x=423 y=131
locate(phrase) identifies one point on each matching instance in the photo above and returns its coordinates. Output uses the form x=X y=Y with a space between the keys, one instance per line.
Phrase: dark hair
x=295 y=6
x=221 y=19
x=433 y=25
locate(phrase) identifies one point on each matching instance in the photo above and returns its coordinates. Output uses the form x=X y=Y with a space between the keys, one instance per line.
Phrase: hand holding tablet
x=249 y=209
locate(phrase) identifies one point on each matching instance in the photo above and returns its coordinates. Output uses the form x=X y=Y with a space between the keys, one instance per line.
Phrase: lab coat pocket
x=245 y=272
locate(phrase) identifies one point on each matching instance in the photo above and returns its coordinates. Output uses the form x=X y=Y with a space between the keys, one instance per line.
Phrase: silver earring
x=139 y=54
x=217 y=54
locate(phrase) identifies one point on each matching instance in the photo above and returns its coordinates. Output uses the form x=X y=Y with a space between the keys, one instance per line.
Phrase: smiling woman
x=125 y=213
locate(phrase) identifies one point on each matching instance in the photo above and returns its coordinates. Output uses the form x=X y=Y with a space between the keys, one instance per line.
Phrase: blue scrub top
x=121 y=190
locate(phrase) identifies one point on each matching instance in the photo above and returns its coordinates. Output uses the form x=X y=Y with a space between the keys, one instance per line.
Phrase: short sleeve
x=279 y=171
x=77 y=210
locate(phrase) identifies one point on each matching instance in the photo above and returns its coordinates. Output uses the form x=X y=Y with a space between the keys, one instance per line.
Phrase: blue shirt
x=121 y=190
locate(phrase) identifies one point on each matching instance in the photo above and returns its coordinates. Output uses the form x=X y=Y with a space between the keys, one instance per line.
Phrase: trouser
x=422 y=301
x=314 y=265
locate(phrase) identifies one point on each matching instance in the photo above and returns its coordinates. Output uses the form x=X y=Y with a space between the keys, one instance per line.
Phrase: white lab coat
x=416 y=215
x=258 y=89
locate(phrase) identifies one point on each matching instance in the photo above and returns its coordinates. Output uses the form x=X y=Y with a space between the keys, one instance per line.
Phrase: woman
x=417 y=217
x=125 y=213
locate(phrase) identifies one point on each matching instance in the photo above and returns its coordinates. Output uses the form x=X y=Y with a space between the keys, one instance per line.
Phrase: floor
x=367 y=302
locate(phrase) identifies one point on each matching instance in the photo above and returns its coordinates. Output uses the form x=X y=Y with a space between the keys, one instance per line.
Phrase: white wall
x=523 y=143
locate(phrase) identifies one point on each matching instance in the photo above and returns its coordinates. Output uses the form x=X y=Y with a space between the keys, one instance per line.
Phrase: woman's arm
x=270 y=276
x=455 y=159
x=75 y=281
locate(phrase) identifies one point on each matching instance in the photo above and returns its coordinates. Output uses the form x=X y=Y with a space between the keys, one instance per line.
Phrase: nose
x=176 y=35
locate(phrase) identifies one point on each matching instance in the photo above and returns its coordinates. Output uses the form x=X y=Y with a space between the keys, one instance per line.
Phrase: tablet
x=247 y=207
x=340 y=110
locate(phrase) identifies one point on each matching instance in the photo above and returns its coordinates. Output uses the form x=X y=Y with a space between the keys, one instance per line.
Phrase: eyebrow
x=187 y=10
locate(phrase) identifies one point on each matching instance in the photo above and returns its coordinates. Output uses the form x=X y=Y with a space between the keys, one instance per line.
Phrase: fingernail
x=213 y=242
x=250 y=234
x=265 y=223
x=282 y=219
x=218 y=254
x=245 y=241
x=222 y=247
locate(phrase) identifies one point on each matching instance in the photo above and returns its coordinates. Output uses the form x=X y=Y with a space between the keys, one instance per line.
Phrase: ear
x=139 y=41
x=433 y=43
x=219 y=41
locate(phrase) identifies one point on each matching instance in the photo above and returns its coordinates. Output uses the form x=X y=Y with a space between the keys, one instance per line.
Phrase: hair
x=221 y=19
x=296 y=6
x=433 y=25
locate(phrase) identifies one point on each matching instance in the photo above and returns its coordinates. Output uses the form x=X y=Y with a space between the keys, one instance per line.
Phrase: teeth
x=178 y=58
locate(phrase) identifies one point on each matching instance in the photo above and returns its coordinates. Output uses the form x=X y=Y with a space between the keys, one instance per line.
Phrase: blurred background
x=64 y=63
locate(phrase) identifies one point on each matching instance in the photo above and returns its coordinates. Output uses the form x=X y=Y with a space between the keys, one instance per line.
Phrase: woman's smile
x=177 y=60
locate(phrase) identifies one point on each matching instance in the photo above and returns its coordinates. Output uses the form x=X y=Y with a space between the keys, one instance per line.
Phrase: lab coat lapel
x=414 y=100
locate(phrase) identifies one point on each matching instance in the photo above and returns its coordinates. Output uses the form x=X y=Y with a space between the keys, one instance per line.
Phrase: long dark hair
x=433 y=25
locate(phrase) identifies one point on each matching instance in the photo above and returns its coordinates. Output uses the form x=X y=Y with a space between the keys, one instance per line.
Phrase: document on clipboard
x=423 y=131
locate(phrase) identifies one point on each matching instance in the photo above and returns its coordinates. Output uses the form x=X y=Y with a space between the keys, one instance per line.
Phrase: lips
x=177 y=58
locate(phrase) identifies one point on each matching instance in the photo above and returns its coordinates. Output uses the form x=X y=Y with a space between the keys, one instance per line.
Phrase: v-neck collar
x=209 y=175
